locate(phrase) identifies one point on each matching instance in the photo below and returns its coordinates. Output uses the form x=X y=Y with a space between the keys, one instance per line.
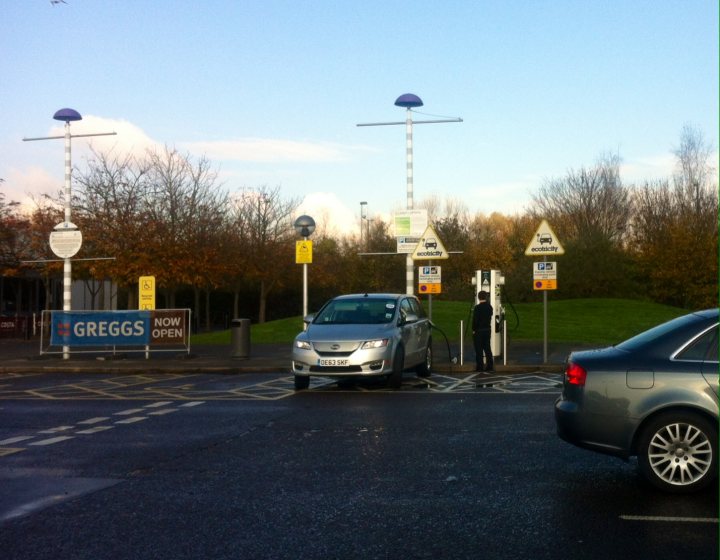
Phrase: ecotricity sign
x=118 y=328
x=544 y=242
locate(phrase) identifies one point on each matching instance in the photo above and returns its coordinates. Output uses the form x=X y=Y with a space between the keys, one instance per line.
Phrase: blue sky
x=271 y=91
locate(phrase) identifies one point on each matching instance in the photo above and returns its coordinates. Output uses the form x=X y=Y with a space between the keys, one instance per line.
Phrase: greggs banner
x=118 y=328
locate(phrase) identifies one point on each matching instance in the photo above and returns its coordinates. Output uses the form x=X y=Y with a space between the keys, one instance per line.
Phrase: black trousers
x=481 y=342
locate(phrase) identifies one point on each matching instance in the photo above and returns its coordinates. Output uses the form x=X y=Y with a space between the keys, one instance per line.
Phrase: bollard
x=240 y=338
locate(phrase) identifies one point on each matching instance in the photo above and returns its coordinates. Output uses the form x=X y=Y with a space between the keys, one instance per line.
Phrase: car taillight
x=575 y=374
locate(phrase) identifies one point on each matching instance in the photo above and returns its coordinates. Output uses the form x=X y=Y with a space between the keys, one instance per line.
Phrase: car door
x=423 y=328
x=408 y=331
x=416 y=332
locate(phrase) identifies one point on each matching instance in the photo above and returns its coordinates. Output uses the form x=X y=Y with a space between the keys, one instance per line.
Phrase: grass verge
x=588 y=321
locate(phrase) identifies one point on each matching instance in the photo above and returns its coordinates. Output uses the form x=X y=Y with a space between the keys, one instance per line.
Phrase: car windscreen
x=360 y=311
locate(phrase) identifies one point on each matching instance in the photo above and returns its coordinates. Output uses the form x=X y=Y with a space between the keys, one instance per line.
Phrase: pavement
x=25 y=356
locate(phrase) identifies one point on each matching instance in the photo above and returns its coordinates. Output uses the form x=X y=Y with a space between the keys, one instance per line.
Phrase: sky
x=272 y=91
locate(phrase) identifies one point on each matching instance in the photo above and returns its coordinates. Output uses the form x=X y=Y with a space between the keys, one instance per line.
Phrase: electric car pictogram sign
x=429 y=246
x=544 y=242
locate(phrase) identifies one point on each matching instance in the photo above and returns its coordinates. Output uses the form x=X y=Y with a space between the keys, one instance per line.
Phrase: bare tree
x=694 y=174
x=158 y=215
x=589 y=203
x=264 y=235
x=109 y=204
x=675 y=233
x=590 y=211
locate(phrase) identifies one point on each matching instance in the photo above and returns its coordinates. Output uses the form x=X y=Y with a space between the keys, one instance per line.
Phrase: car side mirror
x=408 y=318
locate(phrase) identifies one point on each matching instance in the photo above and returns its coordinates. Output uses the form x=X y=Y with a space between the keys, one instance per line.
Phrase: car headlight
x=303 y=345
x=370 y=344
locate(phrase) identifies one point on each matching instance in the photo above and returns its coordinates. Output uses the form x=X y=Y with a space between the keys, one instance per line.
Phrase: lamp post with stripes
x=69 y=244
x=409 y=101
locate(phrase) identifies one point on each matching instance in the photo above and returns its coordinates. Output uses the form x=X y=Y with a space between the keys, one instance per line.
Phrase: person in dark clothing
x=481 y=325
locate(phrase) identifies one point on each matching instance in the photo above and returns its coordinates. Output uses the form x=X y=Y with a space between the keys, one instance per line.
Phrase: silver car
x=364 y=335
x=654 y=396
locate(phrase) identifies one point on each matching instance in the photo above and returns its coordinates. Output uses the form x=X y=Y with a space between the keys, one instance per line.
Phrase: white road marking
x=95 y=430
x=158 y=404
x=95 y=420
x=16 y=439
x=132 y=420
x=128 y=412
x=163 y=412
x=669 y=519
x=51 y=441
x=56 y=430
x=10 y=450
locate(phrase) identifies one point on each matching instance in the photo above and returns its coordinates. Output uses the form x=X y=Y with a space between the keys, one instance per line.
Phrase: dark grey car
x=654 y=396
x=364 y=335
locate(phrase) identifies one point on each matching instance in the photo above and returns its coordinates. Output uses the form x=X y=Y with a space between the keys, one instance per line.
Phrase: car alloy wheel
x=678 y=453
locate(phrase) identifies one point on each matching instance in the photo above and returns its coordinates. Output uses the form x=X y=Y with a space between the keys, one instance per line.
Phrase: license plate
x=332 y=362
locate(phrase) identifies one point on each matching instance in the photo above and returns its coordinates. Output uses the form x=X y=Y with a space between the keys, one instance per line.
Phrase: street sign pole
x=545 y=328
x=304 y=226
x=544 y=242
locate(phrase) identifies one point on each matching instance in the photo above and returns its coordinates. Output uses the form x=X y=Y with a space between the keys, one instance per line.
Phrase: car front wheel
x=678 y=452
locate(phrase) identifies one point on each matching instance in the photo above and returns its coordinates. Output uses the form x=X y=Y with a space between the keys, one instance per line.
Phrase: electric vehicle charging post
x=491 y=281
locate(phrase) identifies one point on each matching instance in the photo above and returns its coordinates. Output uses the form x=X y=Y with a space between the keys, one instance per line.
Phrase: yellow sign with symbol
x=303 y=252
x=545 y=276
x=146 y=293
x=545 y=284
x=430 y=288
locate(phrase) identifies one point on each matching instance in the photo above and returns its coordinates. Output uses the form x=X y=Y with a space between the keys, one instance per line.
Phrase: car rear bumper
x=574 y=427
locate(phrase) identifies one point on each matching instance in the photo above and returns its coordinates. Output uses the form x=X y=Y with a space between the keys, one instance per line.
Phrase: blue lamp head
x=408 y=100
x=67 y=115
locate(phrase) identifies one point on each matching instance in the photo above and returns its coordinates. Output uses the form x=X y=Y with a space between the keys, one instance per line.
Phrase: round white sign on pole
x=66 y=243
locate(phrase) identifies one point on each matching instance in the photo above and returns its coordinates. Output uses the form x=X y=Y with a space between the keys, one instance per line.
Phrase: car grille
x=334 y=354
x=342 y=369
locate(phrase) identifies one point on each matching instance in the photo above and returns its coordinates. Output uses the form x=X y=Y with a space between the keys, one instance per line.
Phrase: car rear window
x=703 y=348
x=655 y=333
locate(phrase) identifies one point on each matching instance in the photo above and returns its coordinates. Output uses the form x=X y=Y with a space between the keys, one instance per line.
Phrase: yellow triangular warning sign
x=429 y=246
x=544 y=242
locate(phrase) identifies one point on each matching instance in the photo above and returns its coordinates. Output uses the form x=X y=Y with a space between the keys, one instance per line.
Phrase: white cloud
x=24 y=185
x=508 y=198
x=48 y=176
x=331 y=216
x=129 y=138
x=638 y=170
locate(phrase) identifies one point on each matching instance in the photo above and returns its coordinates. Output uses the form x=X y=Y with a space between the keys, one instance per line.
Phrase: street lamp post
x=363 y=216
x=67 y=115
x=409 y=101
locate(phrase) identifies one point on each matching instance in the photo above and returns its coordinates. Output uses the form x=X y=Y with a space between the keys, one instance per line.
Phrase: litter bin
x=240 y=338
